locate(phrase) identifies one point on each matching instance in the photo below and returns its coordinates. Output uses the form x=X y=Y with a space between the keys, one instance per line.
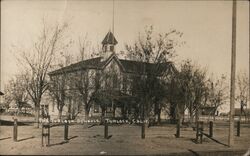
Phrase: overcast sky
x=206 y=25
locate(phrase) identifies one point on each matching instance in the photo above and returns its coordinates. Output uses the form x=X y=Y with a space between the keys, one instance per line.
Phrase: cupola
x=109 y=42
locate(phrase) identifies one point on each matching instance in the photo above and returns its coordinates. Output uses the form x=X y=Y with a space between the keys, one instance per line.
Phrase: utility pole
x=233 y=69
x=249 y=57
x=0 y=60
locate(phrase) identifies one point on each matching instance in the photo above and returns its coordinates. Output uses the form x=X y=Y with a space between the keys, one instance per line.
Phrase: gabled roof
x=143 y=67
x=127 y=66
x=208 y=110
x=25 y=104
x=94 y=63
x=109 y=39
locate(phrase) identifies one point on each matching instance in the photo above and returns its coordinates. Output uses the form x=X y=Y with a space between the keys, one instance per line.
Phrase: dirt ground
x=124 y=139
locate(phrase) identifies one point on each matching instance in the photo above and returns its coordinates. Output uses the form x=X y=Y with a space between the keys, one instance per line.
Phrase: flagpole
x=113 y=21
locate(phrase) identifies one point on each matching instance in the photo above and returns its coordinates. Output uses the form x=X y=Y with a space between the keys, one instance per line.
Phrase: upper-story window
x=105 y=48
x=124 y=83
x=112 y=48
x=115 y=81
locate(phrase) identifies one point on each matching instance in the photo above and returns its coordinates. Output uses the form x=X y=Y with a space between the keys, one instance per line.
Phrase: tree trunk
x=196 y=115
x=172 y=112
x=37 y=115
x=86 y=114
x=69 y=111
x=102 y=115
x=113 y=113
x=60 y=114
x=191 y=116
x=159 y=117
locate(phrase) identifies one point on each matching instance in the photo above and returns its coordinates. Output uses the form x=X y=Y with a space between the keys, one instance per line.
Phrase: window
x=105 y=48
x=96 y=108
x=124 y=83
x=112 y=48
x=109 y=109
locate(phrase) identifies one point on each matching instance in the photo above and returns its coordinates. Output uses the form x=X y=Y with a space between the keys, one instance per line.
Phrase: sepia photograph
x=125 y=77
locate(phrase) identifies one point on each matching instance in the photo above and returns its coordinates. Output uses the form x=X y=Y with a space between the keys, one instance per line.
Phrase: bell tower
x=108 y=43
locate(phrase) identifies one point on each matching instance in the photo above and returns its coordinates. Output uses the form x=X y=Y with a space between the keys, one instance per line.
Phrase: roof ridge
x=73 y=64
x=129 y=66
x=143 y=61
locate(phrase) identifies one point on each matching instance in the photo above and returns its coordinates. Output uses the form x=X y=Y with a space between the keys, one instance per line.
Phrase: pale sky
x=207 y=27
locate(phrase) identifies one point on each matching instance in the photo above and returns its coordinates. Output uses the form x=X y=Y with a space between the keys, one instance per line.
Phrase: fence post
x=211 y=129
x=46 y=134
x=178 y=128
x=197 y=132
x=201 y=132
x=42 y=133
x=66 y=131
x=143 y=130
x=238 y=128
x=106 y=129
x=15 y=130
x=49 y=131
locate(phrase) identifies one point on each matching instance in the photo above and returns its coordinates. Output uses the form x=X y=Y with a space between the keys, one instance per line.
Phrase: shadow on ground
x=25 y=139
x=11 y=123
x=5 y=138
x=62 y=142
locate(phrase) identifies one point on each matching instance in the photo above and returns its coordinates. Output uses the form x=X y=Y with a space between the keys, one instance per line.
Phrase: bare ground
x=124 y=139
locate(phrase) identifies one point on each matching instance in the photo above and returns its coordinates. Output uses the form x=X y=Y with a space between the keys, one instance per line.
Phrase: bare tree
x=153 y=48
x=85 y=45
x=242 y=90
x=58 y=91
x=16 y=91
x=37 y=62
x=108 y=89
x=86 y=81
x=174 y=92
x=192 y=80
x=154 y=51
x=7 y=97
x=217 y=93
x=70 y=85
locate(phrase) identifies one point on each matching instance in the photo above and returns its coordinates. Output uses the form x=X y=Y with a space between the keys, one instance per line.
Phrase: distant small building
x=25 y=107
x=209 y=110
x=244 y=112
